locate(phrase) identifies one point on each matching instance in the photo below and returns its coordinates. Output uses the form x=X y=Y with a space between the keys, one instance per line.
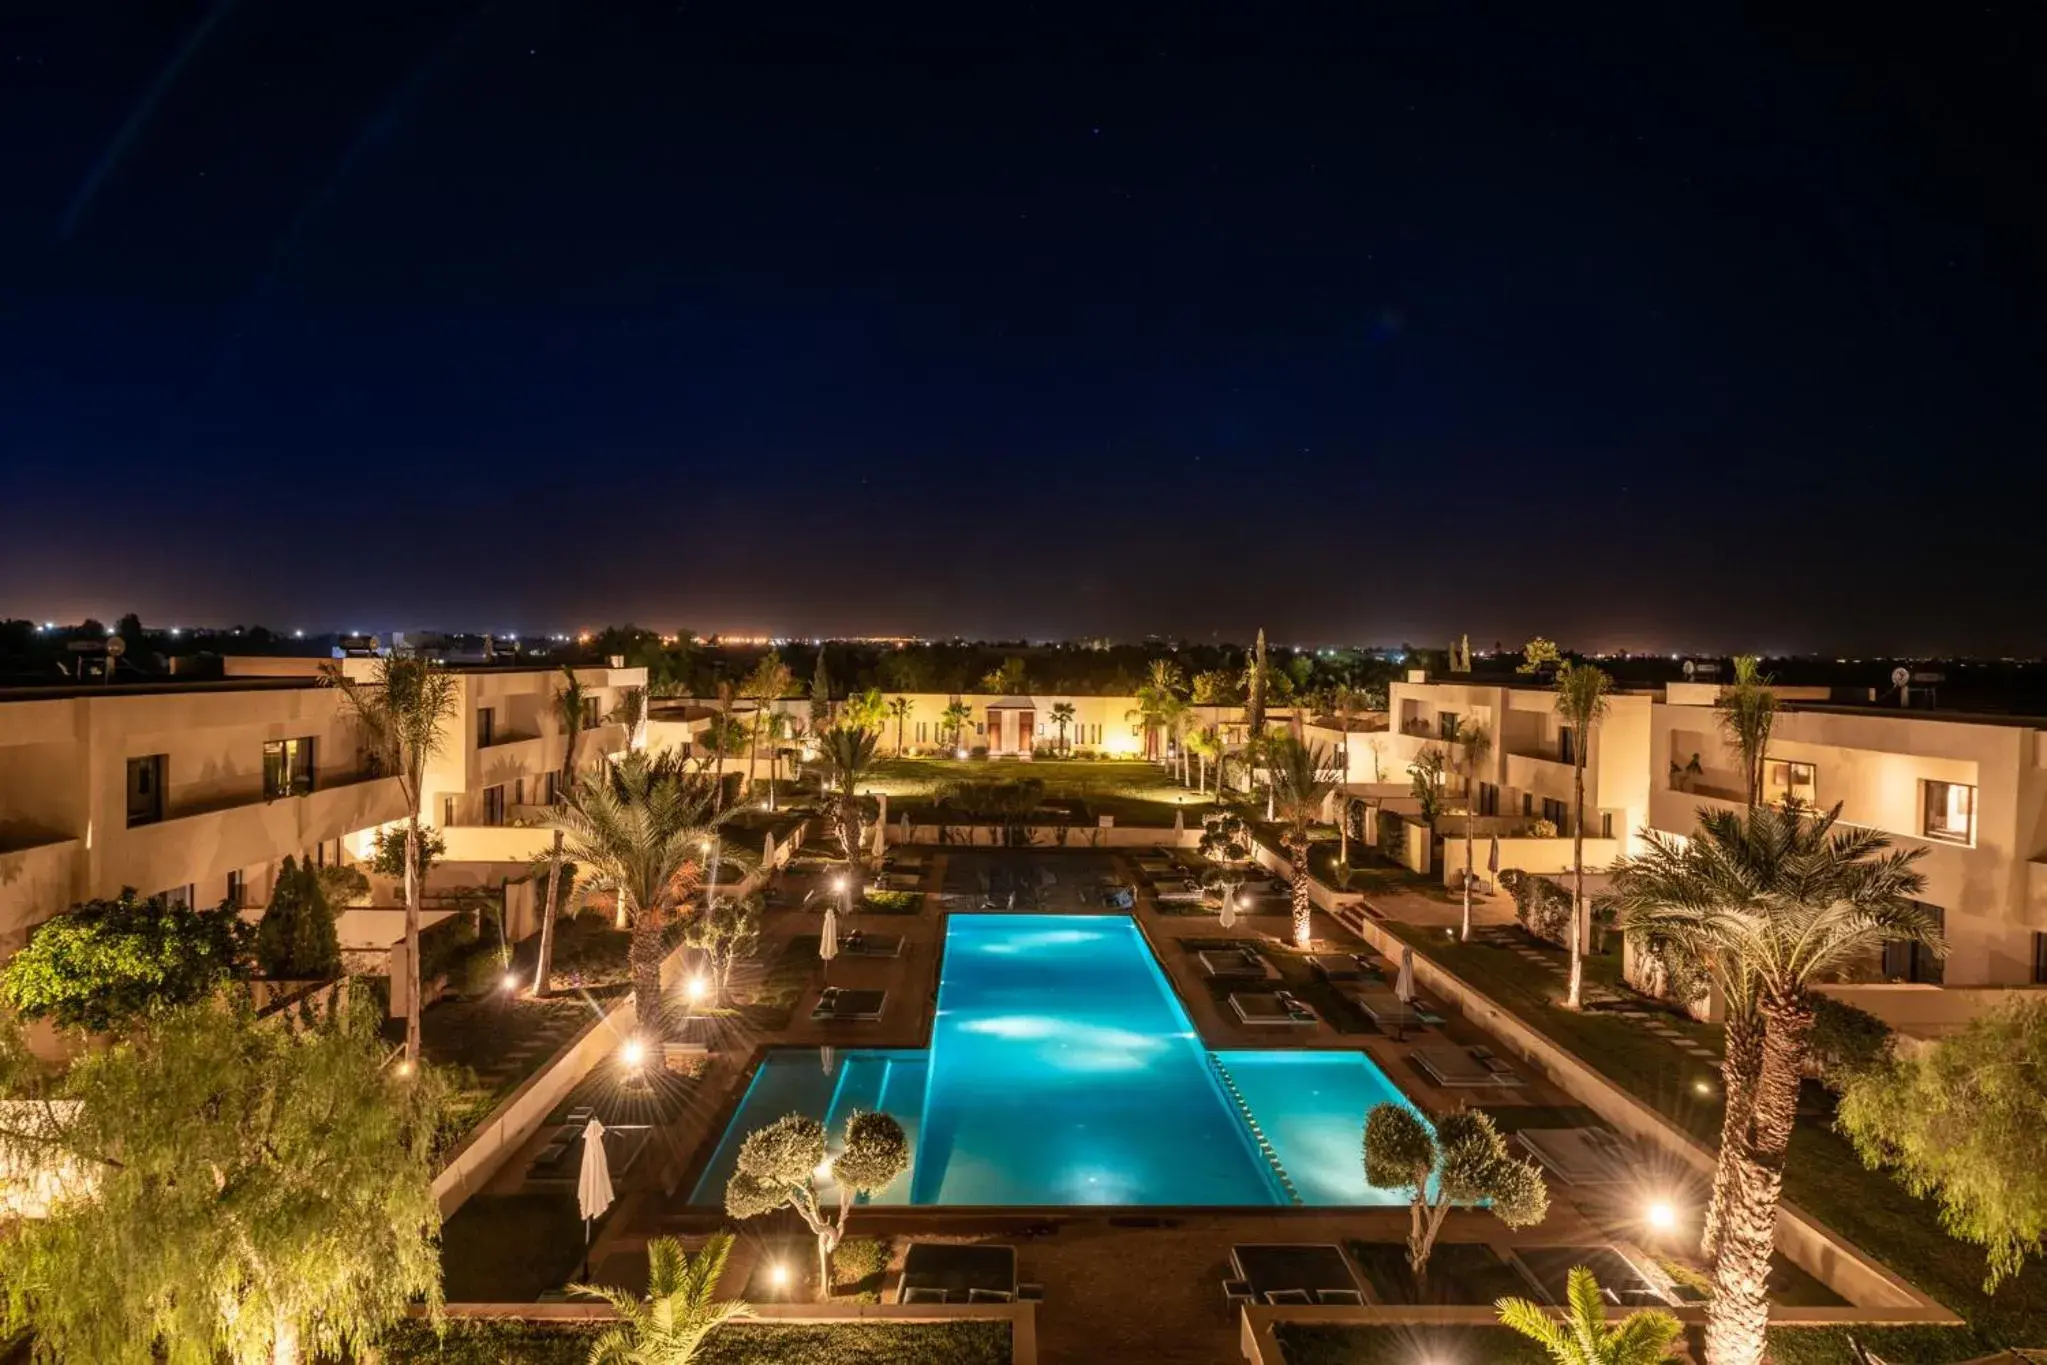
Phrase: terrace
x=1137 y=1280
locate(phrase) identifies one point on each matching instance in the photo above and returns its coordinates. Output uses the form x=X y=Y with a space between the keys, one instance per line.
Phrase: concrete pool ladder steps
x=1265 y=1148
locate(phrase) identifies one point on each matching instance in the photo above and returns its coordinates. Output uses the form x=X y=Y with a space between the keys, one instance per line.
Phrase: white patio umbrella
x=1179 y=820
x=593 y=1184
x=768 y=853
x=828 y=1057
x=828 y=937
x=1228 y=918
x=1403 y=985
x=1492 y=862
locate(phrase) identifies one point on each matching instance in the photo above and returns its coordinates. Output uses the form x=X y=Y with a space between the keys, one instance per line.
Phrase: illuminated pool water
x=1063 y=1070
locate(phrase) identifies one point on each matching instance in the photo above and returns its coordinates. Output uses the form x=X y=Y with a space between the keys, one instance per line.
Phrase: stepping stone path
x=1661 y=1026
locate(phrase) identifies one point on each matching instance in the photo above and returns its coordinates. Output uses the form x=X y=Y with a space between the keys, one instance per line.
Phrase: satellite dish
x=1900 y=676
x=374 y=644
x=116 y=647
x=1690 y=668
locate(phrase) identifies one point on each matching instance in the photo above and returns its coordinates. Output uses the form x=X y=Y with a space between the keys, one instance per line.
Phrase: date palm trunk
x=643 y=958
x=1738 y=1315
x=1576 y=997
x=1304 y=908
x=1738 y=1088
x=543 y=971
x=412 y=891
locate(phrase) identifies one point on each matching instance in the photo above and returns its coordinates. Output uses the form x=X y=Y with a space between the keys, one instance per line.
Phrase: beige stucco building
x=1968 y=792
x=200 y=790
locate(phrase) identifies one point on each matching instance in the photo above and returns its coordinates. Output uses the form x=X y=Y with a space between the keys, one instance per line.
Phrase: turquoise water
x=1063 y=1071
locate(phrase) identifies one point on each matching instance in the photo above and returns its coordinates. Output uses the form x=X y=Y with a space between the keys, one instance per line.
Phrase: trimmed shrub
x=296 y=940
x=1844 y=1041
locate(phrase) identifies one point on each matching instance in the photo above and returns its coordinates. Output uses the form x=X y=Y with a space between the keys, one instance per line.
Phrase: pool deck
x=1144 y=1284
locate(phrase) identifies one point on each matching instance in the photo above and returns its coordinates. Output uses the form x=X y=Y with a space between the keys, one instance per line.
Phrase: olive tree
x=785 y=1162
x=1464 y=1158
x=1964 y=1121
x=242 y=1192
x=107 y=964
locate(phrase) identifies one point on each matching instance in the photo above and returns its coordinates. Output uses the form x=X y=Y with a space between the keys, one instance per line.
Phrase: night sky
x=1662 y=326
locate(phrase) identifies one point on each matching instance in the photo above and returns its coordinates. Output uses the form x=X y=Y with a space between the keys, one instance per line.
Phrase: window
x=447 y=810
x=236 y=889
x=1786 y=780
x=486 y=726
x=287 y=767
x=1557 y=813
x=494 y=805
x=145 y=789
x=1446 y=725
x=2039 y=959
x=1606 y=824
x=547 y=791
x=1950 y=812
x=519 y=792
x=592 y=717
x=1527 y=805
x=1915 y=962
x=178 y=898
x=1567 y=744
x=1488 y=799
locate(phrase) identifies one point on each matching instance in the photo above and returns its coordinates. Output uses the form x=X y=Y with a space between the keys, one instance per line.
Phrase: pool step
x=1265 y=1148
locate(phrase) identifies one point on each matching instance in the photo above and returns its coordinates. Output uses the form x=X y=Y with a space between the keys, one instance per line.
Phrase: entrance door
x=994 y=731
x=1026 y=722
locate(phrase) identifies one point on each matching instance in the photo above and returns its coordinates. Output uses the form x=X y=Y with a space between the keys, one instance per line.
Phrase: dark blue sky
x=1655 y=326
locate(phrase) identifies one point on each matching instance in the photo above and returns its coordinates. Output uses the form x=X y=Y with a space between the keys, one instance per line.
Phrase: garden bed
x=1823 y=1176
x=1404 y=1344
x=467 y=1341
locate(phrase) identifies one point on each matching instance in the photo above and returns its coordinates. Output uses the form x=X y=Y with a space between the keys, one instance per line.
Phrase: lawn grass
x=467 y=1341
x=510 y=1248
x=1822 y=1175
x=1132 y=793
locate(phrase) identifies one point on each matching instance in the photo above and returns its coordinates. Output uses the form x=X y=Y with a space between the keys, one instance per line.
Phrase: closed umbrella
x=1492 y=862
x=1228 y=920
x=905 y=823
x=593 y=1184
x=828 y=1057
x=1179 y=820
x=828 y=938
x=1403 y=985
x=768 y=853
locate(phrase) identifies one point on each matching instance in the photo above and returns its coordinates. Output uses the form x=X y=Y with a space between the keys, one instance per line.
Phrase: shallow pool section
x=1063 y=1071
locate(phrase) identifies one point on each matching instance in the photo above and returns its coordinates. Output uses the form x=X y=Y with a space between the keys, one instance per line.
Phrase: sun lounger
x=1238 y=1291
x=1348 y=1297
x=1579 y=1156
x=990 y=1296
x=1346 y=970
x=837 y=1005
x=1231 y=963
x=860 y=943
x=1289 y=1296
x=1276 y=1009
x=1449 y=1065
x=1383 y=1008
x=922 y=1293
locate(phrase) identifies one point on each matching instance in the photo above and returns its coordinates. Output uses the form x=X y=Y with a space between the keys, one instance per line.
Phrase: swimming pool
x=1063 y=1071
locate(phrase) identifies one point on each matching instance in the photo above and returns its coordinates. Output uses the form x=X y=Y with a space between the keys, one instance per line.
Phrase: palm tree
x=668 y=1327
x=776 y=729
x=1766 y=903
x=568 y=718
x=899 y=709
x=1062 y=716
x=639 y=828
x=1295 y=772
x=1254 y=712
x=1747 y=711
x=401 y=712
x=727 y=694
x=1581 y=702
x=1474 y=745
x=769 y=682
x=847 y=754
x=1583 y=1338
x=957 y=716
x=631 y=712
x=1206 y=744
